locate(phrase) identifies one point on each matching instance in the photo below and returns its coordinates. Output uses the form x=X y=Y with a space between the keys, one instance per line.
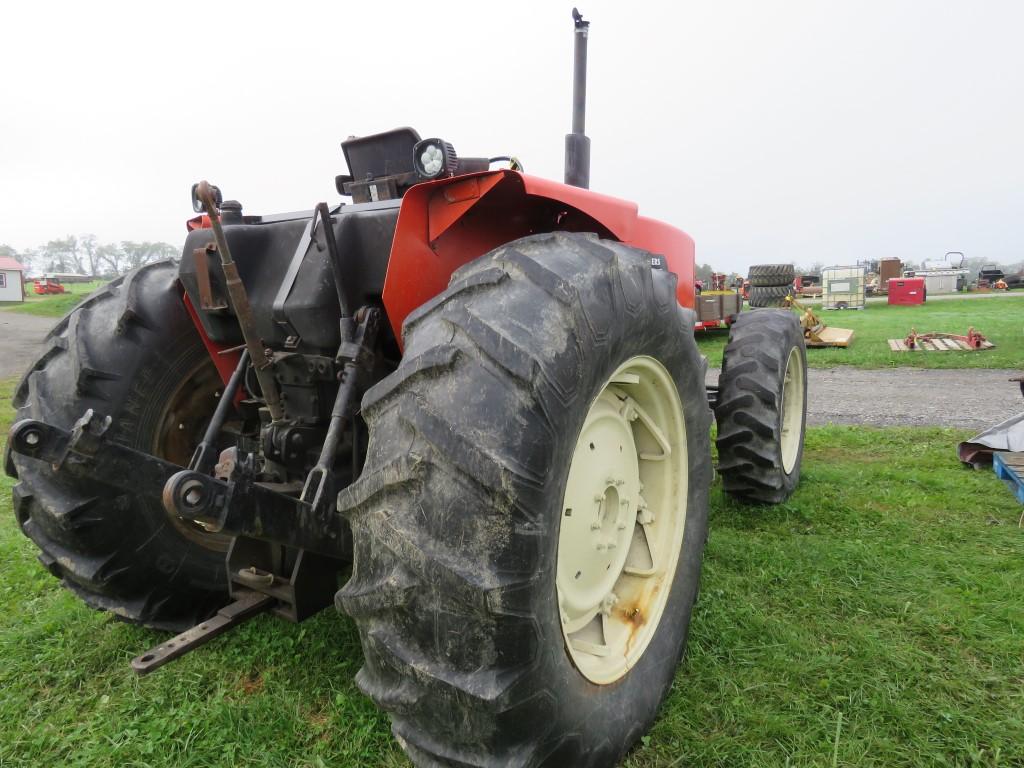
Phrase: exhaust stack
x=577 y=144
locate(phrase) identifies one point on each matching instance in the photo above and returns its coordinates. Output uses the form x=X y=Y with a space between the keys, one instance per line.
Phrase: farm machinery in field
x=46 y=286
x=466 y=408
x=717 y=306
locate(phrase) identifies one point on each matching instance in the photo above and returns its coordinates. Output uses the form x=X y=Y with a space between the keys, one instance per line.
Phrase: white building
x=12 y=280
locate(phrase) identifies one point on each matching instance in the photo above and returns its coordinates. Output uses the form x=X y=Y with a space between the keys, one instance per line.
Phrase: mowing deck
x=825 y=336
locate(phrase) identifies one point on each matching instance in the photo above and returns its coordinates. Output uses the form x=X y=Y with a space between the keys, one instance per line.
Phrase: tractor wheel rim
x=792 y=418
x=622 y=520
x=180 y=429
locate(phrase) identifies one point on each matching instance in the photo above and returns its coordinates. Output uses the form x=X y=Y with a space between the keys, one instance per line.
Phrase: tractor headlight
x=434 y=159
x=198 y=206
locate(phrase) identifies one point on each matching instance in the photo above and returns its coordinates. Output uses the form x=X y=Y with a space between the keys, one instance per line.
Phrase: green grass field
x=875 y=620
x=53 y=305
x=1000 y=319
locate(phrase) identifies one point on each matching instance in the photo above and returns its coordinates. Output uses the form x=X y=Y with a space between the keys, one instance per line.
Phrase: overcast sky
x=770 y=131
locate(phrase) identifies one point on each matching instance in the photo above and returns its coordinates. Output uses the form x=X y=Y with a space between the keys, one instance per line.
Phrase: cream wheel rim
x=622 y=520
x=792 y=419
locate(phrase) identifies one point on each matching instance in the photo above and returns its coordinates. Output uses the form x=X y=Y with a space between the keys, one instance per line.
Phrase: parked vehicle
x=718 y=306
x=47 y=285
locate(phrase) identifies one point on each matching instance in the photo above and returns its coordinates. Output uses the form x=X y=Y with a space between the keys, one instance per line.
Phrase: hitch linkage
x=286 y=551
x=244 y=507
x=241 y=507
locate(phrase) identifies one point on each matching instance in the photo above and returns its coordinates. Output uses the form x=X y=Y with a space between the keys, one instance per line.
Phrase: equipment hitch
x=242 y=507
x=287 y=548
x=260 y=518
x=246 y=606
x=86 y=452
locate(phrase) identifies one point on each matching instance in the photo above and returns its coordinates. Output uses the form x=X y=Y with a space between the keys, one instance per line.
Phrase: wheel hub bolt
x=608 y=603
x=644 y=516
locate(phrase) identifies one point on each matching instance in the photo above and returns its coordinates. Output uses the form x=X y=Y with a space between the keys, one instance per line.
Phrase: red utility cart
x=906 y=290
x=47 y=285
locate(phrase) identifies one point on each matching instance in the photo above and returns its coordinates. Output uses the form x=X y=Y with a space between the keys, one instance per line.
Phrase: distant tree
x=90 y=254
x=26 y=258
x=86 y=255
x=109 y=257
x=703 y=272
x=137 y=254
x=64 y=255
x=32 y=259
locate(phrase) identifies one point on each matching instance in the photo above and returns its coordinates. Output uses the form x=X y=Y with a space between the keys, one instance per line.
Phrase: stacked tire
x=770 y=284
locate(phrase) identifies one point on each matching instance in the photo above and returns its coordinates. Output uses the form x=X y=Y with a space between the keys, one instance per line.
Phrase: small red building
x=907 y=290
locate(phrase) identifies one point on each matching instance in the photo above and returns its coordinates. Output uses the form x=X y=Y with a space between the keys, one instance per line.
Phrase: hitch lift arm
x=262 y=519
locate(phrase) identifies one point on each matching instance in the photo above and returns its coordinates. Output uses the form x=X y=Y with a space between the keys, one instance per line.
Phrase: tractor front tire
x=129 y=351
x=762 y=407
x=517 y=602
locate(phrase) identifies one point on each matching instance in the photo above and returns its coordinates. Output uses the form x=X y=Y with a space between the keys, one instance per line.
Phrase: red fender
x=199 y=222
x=447 y=223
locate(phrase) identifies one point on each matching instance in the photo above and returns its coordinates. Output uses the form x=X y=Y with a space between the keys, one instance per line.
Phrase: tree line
x=85 y=255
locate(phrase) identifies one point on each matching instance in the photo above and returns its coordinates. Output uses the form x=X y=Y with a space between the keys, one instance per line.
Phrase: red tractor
x=45 y=286
x=476 y=391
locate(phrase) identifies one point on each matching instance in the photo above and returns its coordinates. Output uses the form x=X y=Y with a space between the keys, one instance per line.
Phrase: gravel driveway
x=21 y=340
x=971 y=398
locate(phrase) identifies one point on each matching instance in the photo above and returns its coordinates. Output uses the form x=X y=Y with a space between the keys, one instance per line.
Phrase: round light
x=432 y=159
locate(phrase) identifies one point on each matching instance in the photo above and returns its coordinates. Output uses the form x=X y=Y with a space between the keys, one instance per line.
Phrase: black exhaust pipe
x=577 y=144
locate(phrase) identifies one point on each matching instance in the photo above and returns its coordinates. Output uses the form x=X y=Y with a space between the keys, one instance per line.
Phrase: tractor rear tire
x=771 y=274
x=458 y=571
x=129 y=351
x=762 y=407
x=769 y=296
